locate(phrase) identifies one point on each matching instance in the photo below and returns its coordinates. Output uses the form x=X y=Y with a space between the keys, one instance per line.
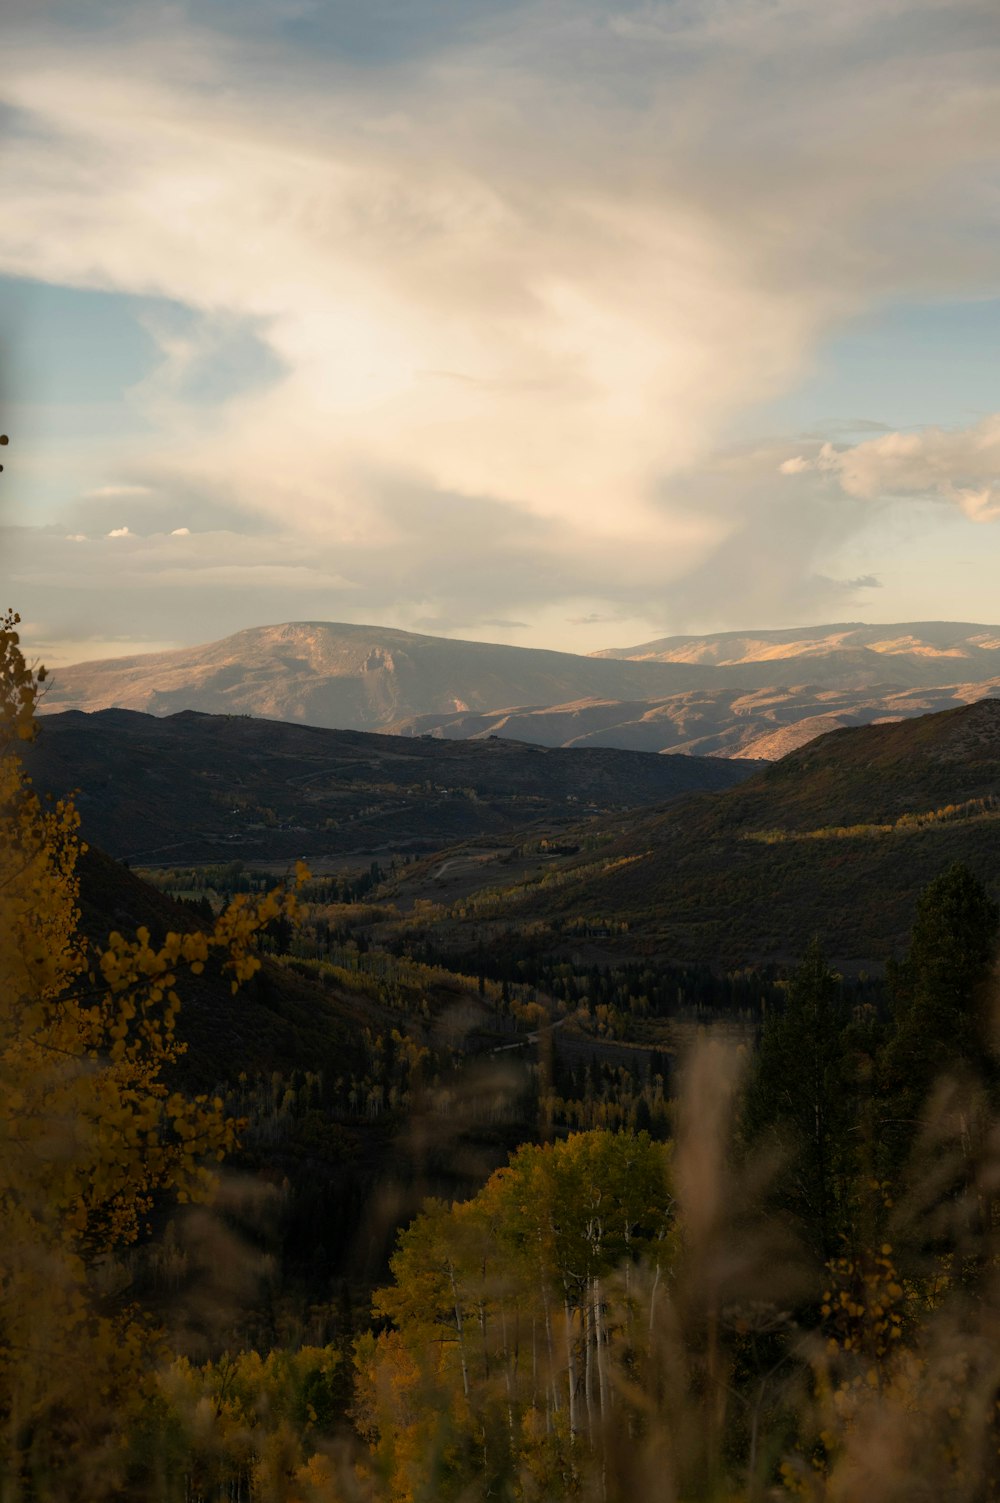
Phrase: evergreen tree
x=940 y=1015
x=801 y=1096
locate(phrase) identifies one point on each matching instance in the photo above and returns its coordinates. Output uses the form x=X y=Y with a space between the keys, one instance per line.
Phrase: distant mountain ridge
x=724 y=694
x=350 y=677
x=932 y=649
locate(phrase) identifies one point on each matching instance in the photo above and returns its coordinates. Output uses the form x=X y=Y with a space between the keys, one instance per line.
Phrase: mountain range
x=755 y=694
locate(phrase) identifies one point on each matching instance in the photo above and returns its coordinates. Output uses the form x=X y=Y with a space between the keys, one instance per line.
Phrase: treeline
x=224 y=881
x=634 y=989
x=974 y=808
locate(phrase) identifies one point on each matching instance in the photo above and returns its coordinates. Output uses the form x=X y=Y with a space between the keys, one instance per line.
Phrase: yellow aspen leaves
x=90 y=1136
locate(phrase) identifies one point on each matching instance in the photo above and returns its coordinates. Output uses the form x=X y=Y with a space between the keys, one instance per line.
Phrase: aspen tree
x=91 y=1133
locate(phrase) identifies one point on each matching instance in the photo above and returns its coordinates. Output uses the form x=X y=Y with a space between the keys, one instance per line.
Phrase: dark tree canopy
x=940 y=1000
x=801 y=1094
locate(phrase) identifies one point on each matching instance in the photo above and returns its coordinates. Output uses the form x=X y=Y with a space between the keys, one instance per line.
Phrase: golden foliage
x=511 y=1319
x=90 y=1131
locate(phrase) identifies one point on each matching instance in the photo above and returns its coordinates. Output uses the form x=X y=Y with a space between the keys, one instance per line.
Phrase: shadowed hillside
x=307 y=1056
x=195 y=787
x=835 y=840
x=278 y=1021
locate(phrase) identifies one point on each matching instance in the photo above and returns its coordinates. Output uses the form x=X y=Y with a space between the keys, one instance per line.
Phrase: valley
x=502 y=950
x=434 y=1009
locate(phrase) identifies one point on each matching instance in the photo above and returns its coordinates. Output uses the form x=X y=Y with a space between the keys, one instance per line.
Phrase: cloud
x=595 y=618
x=440 y=625
x=778 y=558
x=864 y=582
x=957 y=465
x=109 y=492
x=160 y=507
x=120 y=532
x=831 y=587
x=227 y=580
x=181 y=532
x=513 y=283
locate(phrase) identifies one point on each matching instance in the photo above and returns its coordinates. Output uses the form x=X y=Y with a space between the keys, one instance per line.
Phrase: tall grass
x=735 y=1367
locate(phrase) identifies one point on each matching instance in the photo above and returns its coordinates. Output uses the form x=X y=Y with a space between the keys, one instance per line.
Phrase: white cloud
x=543 y=266
x=958 y=465
x=120 y=532
x=181 y=532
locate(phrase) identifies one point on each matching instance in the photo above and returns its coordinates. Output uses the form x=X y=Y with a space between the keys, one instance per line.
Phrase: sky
x=562 y=323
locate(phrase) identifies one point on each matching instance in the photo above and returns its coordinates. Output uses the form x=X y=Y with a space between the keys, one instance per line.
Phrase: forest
x=513 y=1225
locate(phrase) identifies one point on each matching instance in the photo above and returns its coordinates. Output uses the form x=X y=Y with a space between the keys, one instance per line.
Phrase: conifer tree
x=940 y=1004
x=801 y=1097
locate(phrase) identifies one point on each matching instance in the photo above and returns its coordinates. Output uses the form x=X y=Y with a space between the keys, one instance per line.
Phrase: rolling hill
x=202 y=788
x=836 y=840
x=759 y=723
